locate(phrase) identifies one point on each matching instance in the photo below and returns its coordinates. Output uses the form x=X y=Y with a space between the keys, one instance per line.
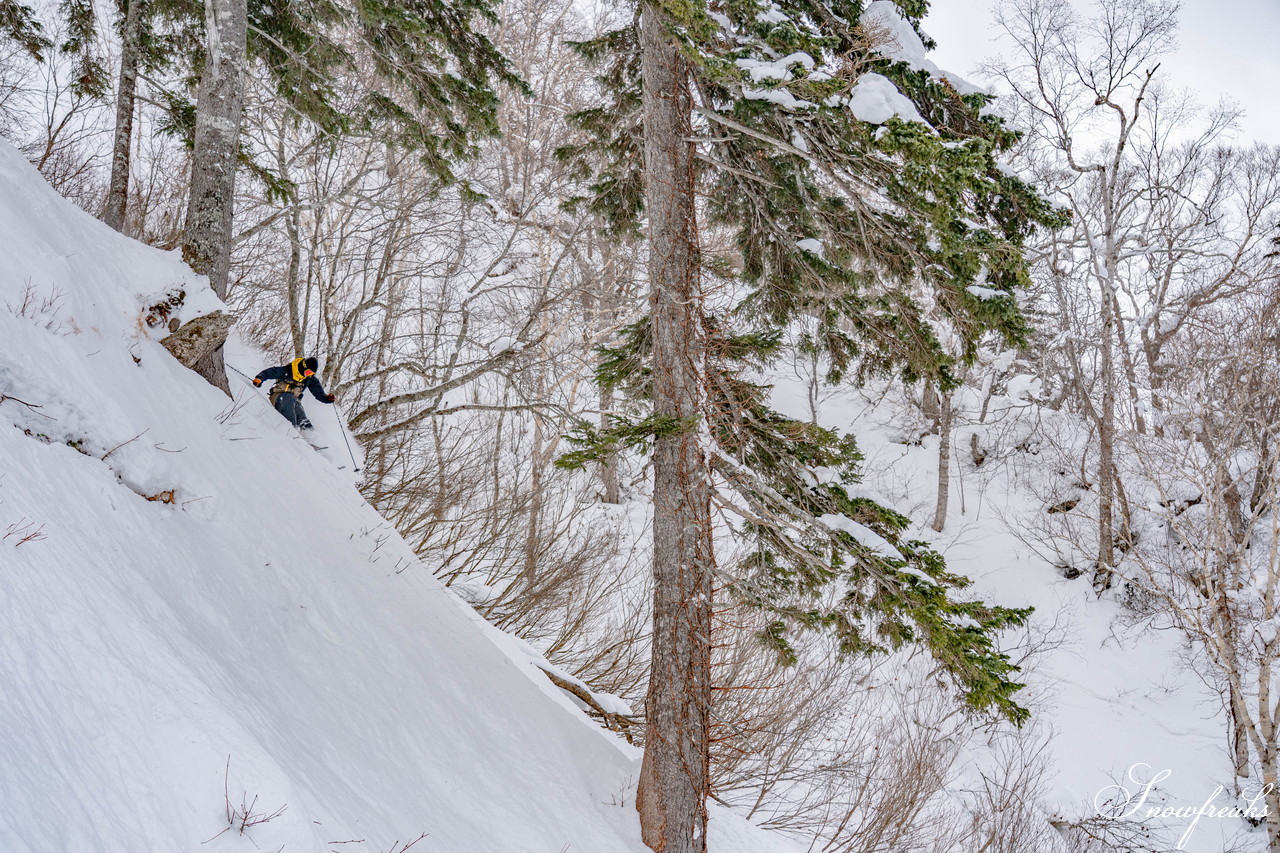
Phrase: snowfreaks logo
x=1120 y=803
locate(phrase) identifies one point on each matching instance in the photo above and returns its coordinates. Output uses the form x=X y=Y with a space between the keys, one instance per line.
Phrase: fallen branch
x=615 y=722
x=123 y=443
x=31 y=406
x=24 y=531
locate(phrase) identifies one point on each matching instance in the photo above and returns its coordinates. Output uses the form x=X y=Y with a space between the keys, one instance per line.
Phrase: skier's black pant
x=291 y=407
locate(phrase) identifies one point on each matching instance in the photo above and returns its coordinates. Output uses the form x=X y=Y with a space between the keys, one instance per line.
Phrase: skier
x=291 y=380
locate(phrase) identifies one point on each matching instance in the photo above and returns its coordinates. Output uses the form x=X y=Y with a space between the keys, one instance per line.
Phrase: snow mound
x=209 y=640
x=875 y=99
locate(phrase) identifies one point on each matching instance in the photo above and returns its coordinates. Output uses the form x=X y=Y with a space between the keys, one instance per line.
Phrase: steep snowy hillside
x=1113 y=707
x=208 y=641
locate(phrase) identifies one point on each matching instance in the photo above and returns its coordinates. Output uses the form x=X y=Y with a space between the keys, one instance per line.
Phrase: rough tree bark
x=675 y=775
x=931 y=407
x=944 y=463
x=207 y=235
x=1106 y=451
x=297 y=317
x=118 y=190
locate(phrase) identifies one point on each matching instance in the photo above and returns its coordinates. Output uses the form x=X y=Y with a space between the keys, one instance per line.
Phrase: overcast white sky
x=1227 y=47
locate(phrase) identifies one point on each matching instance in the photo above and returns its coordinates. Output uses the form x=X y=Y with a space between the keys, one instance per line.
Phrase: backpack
x=294 y=384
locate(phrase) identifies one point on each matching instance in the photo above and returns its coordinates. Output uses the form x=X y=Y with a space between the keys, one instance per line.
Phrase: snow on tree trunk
x=206 y=238
x=675 y=775
x=1266 y=736
x=1106 y=369
x=1106 y=452
x=944 y=463
x=297 y=316
x=118 y=190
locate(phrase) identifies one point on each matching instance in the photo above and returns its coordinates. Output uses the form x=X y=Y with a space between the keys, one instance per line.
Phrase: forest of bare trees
x=550 y=269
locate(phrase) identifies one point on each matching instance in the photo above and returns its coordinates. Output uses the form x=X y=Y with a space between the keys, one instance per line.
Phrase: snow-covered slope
x=1116 y=707
x=200 y=616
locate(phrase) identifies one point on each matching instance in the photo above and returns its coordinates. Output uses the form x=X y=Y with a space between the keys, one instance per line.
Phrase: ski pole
x=233 y=370
x=343 y=429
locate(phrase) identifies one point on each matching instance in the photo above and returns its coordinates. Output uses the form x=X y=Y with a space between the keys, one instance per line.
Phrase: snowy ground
x=256 y=639
x=1113 y=701
x=199 y=615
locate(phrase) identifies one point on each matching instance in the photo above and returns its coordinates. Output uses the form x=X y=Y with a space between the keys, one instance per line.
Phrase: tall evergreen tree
x=18 y=23
x=863 y=195
x=80 y=21
x=675 y=775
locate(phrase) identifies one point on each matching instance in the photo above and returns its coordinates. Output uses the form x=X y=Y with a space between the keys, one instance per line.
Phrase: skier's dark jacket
x=291 y=374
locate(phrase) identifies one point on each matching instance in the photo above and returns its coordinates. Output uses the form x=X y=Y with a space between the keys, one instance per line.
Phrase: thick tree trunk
x=297 y=318
x=675 y=775
x=1272 y=800
x=207 y=236
x=118 y=190
x=1106 y=427
x=931 y=407
x=944 y=463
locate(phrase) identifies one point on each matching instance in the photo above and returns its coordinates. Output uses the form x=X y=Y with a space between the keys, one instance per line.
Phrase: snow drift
x=208 y=640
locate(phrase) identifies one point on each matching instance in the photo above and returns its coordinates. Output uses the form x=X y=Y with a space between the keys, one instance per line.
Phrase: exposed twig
x=123 y=443
x=31 y=406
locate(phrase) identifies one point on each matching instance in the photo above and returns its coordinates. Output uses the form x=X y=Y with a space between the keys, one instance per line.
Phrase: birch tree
x=206 y=236
x=1081 y=88
x=1211 y=567
x=1167 y=218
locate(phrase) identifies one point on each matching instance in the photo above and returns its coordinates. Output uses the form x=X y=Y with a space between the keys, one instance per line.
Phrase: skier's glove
x=257 y=383
x=329 y=398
